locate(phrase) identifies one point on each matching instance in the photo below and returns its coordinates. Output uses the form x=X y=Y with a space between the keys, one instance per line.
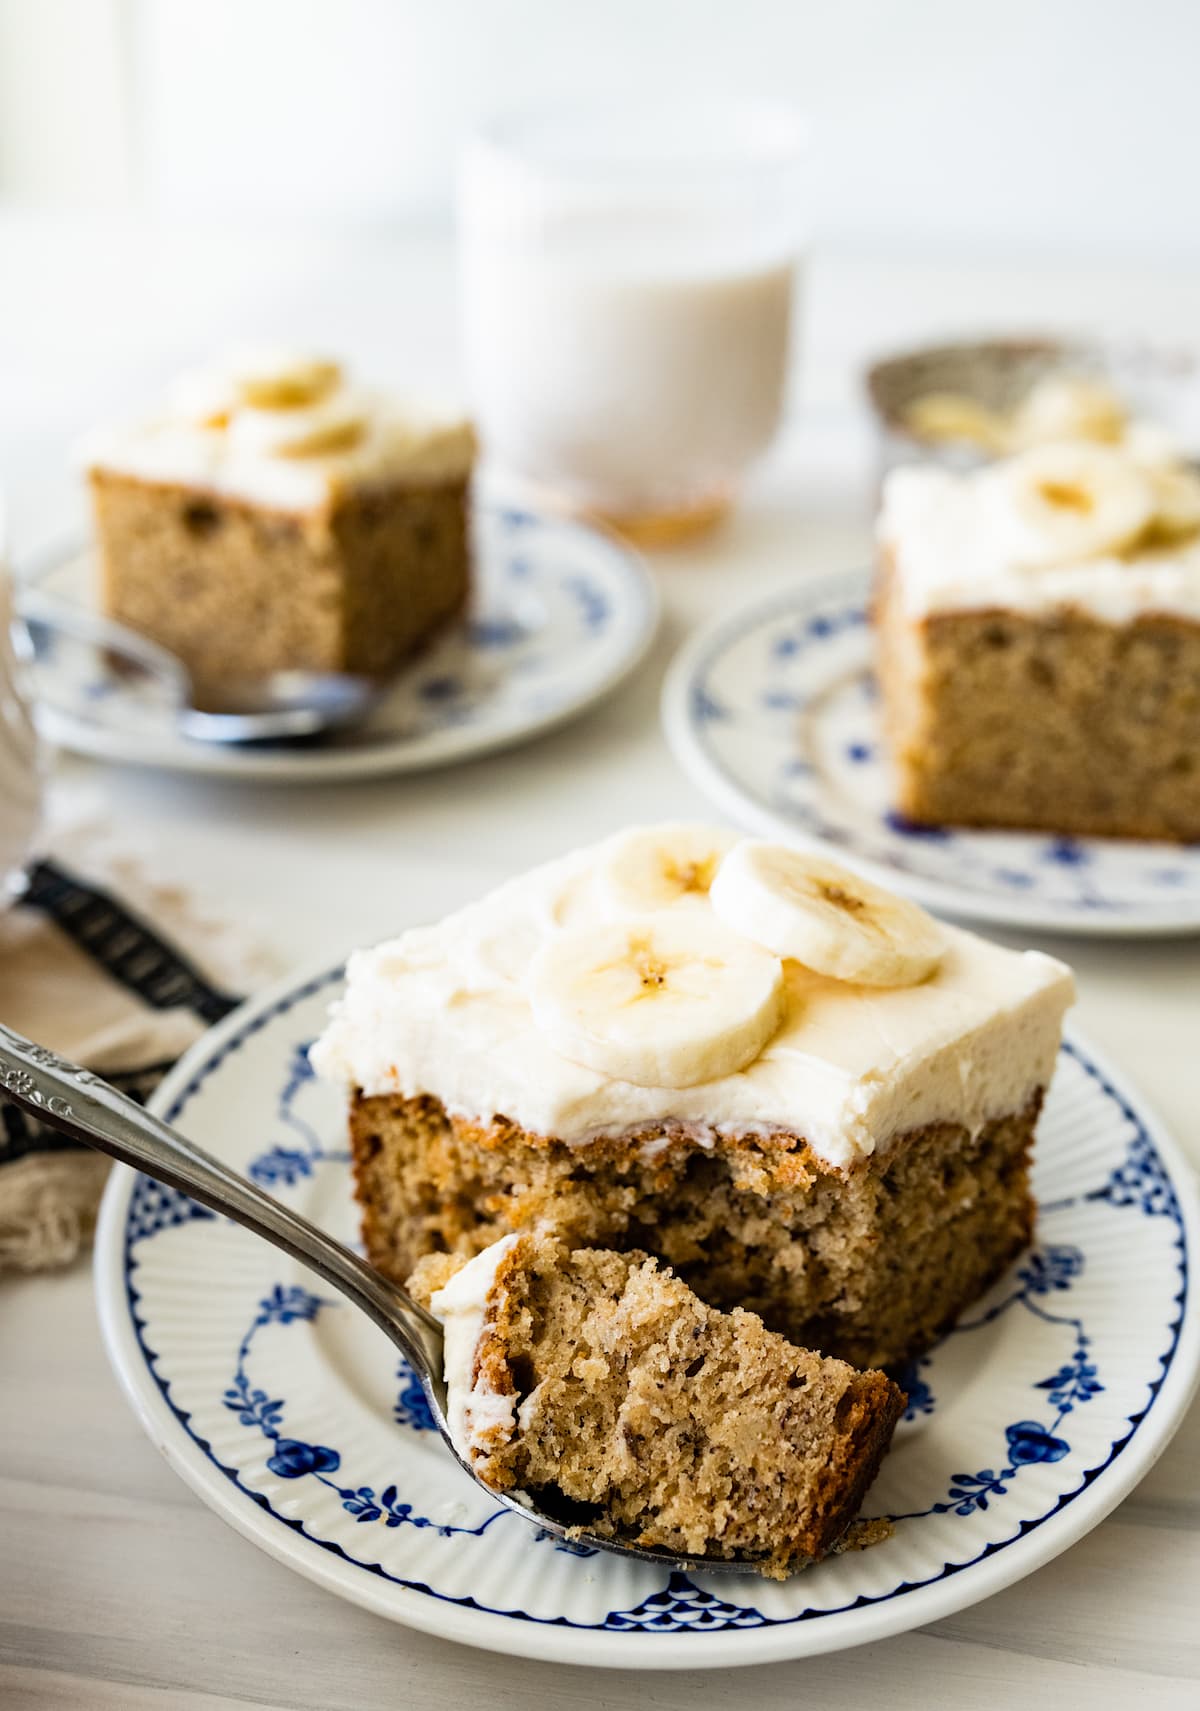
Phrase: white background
x=1033 y=126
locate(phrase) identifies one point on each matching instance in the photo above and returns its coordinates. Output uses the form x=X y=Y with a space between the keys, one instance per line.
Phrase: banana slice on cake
x=1152 y=446
x=335 y=425
x=671 y=1000
x=1068 y=407
x=1074 y=501
x=943 y=416
x=655 y=866
x=1176 y=503
x=822 y=915
x=1174 y=481
x=267 y=379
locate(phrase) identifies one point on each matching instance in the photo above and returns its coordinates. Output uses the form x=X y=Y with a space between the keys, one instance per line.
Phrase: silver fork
x=83 y=1106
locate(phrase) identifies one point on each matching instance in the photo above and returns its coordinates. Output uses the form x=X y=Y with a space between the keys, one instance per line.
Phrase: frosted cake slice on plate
x=1039 y=641
x=274 y=517
x=802 y=1093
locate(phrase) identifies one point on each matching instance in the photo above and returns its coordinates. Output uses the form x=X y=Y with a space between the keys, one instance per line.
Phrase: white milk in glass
x=627 y=344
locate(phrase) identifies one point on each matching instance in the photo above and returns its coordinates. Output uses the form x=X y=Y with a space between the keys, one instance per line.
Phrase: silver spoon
x=81 y=1105
x=277 y=707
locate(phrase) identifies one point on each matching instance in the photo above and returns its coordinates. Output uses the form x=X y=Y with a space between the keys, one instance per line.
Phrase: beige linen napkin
x=116 y=969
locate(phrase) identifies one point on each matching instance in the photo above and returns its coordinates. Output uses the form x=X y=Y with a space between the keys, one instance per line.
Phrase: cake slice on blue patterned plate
x=275 y=517
x=802 y=1093
x=1039 y=641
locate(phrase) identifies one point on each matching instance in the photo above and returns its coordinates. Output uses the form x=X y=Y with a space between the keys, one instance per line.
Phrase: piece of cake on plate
x=1039 y=641
x=801 y=1092
x=274 y=517
x=599 y=1386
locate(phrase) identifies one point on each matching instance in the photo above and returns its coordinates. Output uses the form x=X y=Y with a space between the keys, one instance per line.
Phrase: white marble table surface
x=118 y=1589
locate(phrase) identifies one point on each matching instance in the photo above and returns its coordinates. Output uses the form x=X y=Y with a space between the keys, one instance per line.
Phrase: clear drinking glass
x=20 y=776
x=627 y=280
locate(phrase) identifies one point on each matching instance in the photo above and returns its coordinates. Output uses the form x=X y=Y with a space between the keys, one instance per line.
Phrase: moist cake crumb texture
x=623 y=1405
x=870 y=1264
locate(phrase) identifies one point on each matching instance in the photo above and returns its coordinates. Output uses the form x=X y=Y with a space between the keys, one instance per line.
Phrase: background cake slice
x=276 y=518
x=856 y=1173
x=600 y=1385
x=1039 y=642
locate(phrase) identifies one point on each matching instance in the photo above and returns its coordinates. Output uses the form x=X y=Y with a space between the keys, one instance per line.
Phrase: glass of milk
x=20 y=777
x=627 y=282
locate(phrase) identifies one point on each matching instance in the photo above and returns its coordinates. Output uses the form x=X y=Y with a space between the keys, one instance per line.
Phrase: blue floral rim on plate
x=559 y=614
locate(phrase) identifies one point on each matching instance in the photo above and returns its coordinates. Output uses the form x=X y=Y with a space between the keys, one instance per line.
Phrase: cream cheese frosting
x=294 y=456
x=445 y=1011
x=473 y=1409
x=955 y=544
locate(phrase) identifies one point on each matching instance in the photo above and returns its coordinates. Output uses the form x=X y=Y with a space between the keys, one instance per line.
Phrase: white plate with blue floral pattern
x=773 y=711
x=560 y=614
x=286 y=1411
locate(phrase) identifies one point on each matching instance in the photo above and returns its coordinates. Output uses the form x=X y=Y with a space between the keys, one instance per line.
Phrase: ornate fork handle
x=33 y=1082
x=82 y=1105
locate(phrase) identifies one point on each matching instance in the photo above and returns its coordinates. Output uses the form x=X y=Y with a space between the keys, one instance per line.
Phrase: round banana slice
x=1176 y=503
x=655 y=866
x=1068 y=407
x=943 y=416
x=822 y=915
x=1074 y=501
x=669 y=1001
x=268 y=379
x=1151 y=445
x=336 y=425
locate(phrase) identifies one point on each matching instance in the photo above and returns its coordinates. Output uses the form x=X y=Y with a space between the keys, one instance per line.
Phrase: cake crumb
x=862 y=1534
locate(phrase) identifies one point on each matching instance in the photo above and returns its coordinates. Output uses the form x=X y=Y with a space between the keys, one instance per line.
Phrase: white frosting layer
x=443 y=1011
x=472 y=1408
x=194 y=446
x=955 y=546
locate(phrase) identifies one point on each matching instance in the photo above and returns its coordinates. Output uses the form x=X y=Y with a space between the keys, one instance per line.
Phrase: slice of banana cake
x=598 y=1384
x=803 y=1093
x=1039 y=641
x=273 y=516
